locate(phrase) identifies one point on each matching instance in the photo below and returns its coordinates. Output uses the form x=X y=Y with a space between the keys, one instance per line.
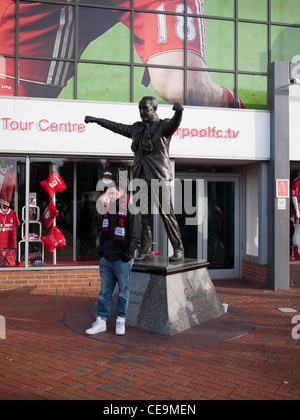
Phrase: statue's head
x=147 y=107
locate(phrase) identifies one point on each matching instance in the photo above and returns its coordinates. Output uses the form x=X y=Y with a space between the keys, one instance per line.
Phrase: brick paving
x=41 y=359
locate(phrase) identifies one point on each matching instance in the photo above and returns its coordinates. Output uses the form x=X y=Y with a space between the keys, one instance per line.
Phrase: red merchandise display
x=54 y=183
x=54 y=239
x=50 y=213
x=7 y=257
x=8 y=228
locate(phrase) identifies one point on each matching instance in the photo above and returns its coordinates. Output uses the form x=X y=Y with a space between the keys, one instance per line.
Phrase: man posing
x=120 y=236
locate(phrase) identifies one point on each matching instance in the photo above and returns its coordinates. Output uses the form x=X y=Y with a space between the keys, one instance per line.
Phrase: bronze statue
x=150 y=144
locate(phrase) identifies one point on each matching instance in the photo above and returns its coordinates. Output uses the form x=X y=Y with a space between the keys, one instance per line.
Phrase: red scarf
x=119 y=229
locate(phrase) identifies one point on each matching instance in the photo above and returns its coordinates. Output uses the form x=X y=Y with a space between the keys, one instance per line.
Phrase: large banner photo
x=198 y=52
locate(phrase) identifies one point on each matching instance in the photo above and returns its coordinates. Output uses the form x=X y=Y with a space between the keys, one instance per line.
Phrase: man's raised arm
x=123 y=129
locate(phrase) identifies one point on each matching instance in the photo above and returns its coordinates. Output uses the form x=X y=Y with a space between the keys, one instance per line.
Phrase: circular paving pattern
x=233 y=324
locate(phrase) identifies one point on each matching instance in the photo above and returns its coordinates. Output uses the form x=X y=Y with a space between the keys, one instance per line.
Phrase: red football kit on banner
x=8 y=228
x=47 y=30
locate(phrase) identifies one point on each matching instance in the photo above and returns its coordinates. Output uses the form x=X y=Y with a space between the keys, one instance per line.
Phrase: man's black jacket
x=125 y=250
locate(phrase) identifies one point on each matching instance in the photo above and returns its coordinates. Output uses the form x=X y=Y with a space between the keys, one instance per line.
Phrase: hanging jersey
x=8 y=228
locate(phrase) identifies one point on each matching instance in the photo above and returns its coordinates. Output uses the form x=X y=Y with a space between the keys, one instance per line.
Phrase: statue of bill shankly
x=150 y=144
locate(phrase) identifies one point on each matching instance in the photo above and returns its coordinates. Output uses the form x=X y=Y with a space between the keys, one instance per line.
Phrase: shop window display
x=36 y=255
x=63 y=221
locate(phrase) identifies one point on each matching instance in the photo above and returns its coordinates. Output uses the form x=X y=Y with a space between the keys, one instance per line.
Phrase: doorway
x=209 y=222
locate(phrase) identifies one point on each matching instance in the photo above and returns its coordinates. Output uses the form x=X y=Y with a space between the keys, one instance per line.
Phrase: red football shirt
x=8 y=228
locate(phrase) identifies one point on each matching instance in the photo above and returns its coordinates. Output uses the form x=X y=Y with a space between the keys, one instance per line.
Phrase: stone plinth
x=167 y=298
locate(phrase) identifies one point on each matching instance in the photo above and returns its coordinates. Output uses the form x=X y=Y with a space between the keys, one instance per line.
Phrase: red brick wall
x=295 y=274
x=64 y=282
x=255 y=273
x=87 y=281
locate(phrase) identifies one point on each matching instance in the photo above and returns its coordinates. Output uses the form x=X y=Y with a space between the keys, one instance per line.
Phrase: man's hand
x=89 y=119
x=178 y=107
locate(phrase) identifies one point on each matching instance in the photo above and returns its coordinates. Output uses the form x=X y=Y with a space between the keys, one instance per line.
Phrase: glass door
x=221 y=228
x=189 y=209
x=209 y=222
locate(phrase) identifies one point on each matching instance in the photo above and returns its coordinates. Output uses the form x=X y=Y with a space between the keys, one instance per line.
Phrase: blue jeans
x=112 y=272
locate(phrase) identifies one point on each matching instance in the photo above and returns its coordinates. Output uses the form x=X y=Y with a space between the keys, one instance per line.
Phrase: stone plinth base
x=169 y=298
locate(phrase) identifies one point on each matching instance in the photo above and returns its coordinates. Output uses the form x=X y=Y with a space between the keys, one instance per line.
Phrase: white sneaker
x=120 y=326
x=98 y=326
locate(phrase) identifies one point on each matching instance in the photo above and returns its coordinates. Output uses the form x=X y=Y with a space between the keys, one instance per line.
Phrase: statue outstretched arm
x=89 y=119
x=123 y=129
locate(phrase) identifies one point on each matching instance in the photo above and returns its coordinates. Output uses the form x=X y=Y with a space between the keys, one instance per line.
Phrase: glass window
x=102 y=82
x=223 y=79
x=285 y=11
x=121 y=3
x=221 y=211
x=8 y=31
x=46 y=30
x=43 y=78
x=89 y=209
x=253 y=55
x=220 y=8
x=253 y=9
x=143 y=85
x=7 y=76
x=159 y=36
x=205 y=88
x=64 y=223
x=187 y=195
x=252 y=226
x=61 y=226
x=88 y=219
x=285 y=43
x=102 y=36
x=68 y=91
x=168 y=84
x=253 y=91
x=54 y=208
x=113 y=39
x=220 y=44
